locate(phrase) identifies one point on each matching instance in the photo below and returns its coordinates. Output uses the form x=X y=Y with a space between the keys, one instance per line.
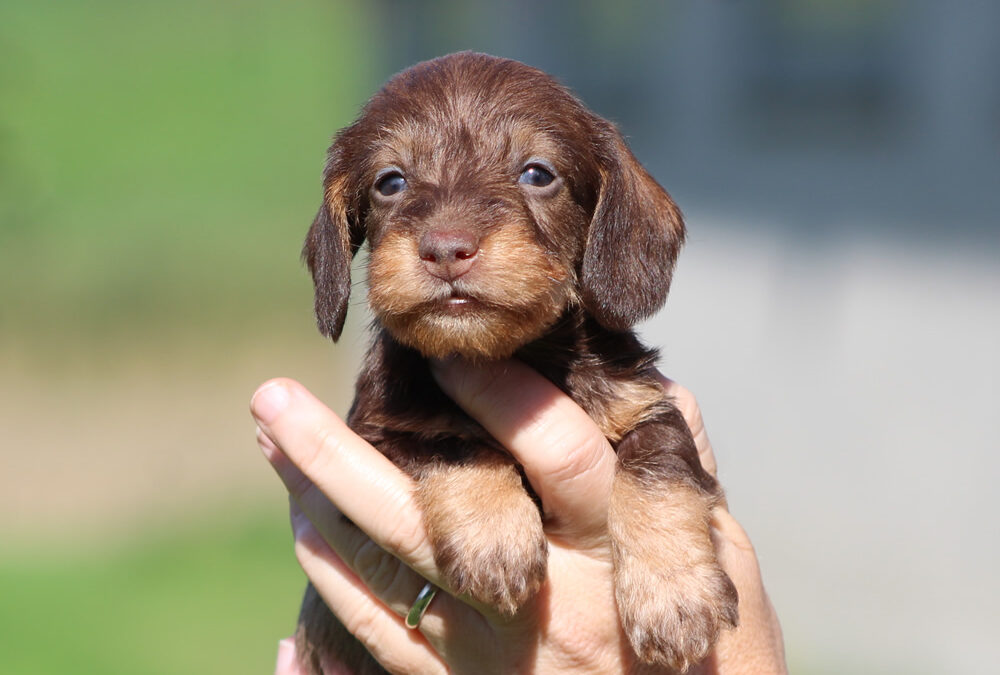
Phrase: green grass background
x=159 y=164
x=210 y=597
x=154 y=156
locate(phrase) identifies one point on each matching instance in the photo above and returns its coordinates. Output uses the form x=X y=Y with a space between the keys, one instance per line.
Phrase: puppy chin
x=471 y=332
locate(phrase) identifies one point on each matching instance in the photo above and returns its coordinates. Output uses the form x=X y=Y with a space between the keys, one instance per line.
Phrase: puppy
x=504 y=219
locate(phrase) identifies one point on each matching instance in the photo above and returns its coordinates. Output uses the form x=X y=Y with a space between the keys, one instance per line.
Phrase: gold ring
x=419 y=606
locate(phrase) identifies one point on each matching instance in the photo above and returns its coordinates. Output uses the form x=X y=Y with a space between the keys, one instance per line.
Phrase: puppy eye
x=390 y=183
x=536 y=175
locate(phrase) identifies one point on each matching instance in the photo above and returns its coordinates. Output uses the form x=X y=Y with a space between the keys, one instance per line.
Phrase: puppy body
x=504 y=218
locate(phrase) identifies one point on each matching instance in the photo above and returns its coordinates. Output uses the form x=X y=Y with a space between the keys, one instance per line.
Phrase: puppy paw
x=496 y=559
x=486 y=532
x=673 y=617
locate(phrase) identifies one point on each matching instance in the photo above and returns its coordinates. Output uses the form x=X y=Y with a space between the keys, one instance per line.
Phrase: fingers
x=374 y=592
x=286 y=663
x=564 y=454
x=756 y=645
x=320 y=457
x=376 y=561
x=380 y=629
x=686 y=403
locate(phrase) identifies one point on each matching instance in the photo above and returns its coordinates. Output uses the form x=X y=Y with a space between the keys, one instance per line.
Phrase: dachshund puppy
x=505 y=219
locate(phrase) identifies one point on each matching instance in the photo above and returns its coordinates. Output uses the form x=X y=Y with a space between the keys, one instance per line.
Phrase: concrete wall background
x=837 y=307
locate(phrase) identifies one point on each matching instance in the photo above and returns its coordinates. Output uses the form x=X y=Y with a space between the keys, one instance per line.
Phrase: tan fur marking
x=525 y=274
x=485 y=529
x=631 y=403
x=396 y=282
x=522 y=291
x=335 y=201
x=672 y=595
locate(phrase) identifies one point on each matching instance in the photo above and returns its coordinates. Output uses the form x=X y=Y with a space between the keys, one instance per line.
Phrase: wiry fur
x=554 y=275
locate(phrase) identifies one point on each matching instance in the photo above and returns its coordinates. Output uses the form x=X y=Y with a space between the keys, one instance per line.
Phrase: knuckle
x=376 y=567
x=362 y=620
x=685 y=398
x=730 y=530
x=300 y=487
x=574 y=449
x=406 y=536
x=368 y=623
x=324 y=445
x=581 y=458
x=687 y=403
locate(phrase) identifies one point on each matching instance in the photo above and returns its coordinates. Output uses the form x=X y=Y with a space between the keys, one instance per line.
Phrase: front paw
x=498 y=572
x=498 y=559
x=672 y=617
x=485 y=530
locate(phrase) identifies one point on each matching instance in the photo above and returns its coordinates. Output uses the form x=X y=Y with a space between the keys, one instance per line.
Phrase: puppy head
x=492 y=201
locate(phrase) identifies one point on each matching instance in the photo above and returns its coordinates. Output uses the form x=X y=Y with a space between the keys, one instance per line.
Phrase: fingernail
x=286 y=662
x=269 y=401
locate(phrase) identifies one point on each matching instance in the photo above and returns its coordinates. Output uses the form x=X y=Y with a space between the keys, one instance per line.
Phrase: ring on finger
x=420 y=605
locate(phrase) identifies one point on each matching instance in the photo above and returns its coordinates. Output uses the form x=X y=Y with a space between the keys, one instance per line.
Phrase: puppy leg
x=485 y=529
x=324 y=645
x=672 y=595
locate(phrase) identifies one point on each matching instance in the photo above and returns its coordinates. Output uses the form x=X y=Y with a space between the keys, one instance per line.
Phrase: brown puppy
x=504 y=218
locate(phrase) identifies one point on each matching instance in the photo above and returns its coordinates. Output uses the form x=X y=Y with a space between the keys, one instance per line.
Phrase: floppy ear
x=332 y=241
x=634 y=238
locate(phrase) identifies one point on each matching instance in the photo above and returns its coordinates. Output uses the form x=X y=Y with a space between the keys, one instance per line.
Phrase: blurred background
x=836 y=309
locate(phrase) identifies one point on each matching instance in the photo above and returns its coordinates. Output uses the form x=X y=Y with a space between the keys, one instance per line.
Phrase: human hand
x=572 y=625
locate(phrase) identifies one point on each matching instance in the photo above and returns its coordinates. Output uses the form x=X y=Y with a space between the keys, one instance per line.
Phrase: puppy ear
x=635 y=235
x=330 y=245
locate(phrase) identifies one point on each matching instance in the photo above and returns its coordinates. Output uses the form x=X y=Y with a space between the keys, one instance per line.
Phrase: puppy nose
x=448 y=254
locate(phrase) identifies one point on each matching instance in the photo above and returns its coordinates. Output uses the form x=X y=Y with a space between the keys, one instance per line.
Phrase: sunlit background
x=836 y=309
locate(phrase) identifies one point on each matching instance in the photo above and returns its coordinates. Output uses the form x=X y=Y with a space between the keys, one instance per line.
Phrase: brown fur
x=485 y=529
x=667 y=582
x=553 y=274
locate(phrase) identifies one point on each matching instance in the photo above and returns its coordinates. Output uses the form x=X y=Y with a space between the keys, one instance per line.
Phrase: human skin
x=370 y=574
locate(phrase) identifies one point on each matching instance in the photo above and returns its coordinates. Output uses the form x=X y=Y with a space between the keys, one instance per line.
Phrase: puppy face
x=492 y=201
x=473 y=231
